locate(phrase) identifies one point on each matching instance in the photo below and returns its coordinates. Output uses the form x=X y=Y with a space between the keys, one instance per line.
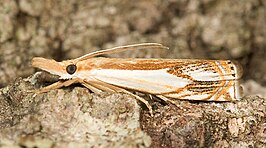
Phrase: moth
x=168 y=79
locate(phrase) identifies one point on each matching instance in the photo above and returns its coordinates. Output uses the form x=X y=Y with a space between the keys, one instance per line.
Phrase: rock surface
x=69 y=117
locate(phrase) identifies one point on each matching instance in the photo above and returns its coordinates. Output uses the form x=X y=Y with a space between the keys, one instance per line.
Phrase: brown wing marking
x=202 y=87
x=177 y=71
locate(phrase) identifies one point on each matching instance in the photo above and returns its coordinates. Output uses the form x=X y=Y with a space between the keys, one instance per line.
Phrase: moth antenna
x=121 y=49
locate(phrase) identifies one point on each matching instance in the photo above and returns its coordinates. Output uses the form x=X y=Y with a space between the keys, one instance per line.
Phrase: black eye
x=71 y=69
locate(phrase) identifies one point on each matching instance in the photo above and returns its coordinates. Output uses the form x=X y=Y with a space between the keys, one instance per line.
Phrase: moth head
x=64 y=69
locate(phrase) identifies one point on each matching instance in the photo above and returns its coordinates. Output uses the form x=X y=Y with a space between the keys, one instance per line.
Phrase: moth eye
x=71 y=69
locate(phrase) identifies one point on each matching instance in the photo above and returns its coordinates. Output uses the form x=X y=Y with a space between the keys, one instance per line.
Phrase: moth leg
x=112 y=89
x=140 y=99
x=150 y=96
x=165 y=99
x=92 y=88
x=102 y=86
x=87 y=85
x=56 y=85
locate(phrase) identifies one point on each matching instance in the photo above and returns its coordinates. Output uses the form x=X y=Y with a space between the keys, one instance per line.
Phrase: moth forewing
x=150 y=81
x=181 y=79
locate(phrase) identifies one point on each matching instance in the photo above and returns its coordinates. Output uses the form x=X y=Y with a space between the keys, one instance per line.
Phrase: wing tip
x=238 y=69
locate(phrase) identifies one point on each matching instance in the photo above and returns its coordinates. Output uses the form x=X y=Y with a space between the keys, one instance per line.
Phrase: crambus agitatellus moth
x=169 y=79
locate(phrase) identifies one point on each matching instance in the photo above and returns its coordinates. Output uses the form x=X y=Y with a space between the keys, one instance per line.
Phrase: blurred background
x=209 y=29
